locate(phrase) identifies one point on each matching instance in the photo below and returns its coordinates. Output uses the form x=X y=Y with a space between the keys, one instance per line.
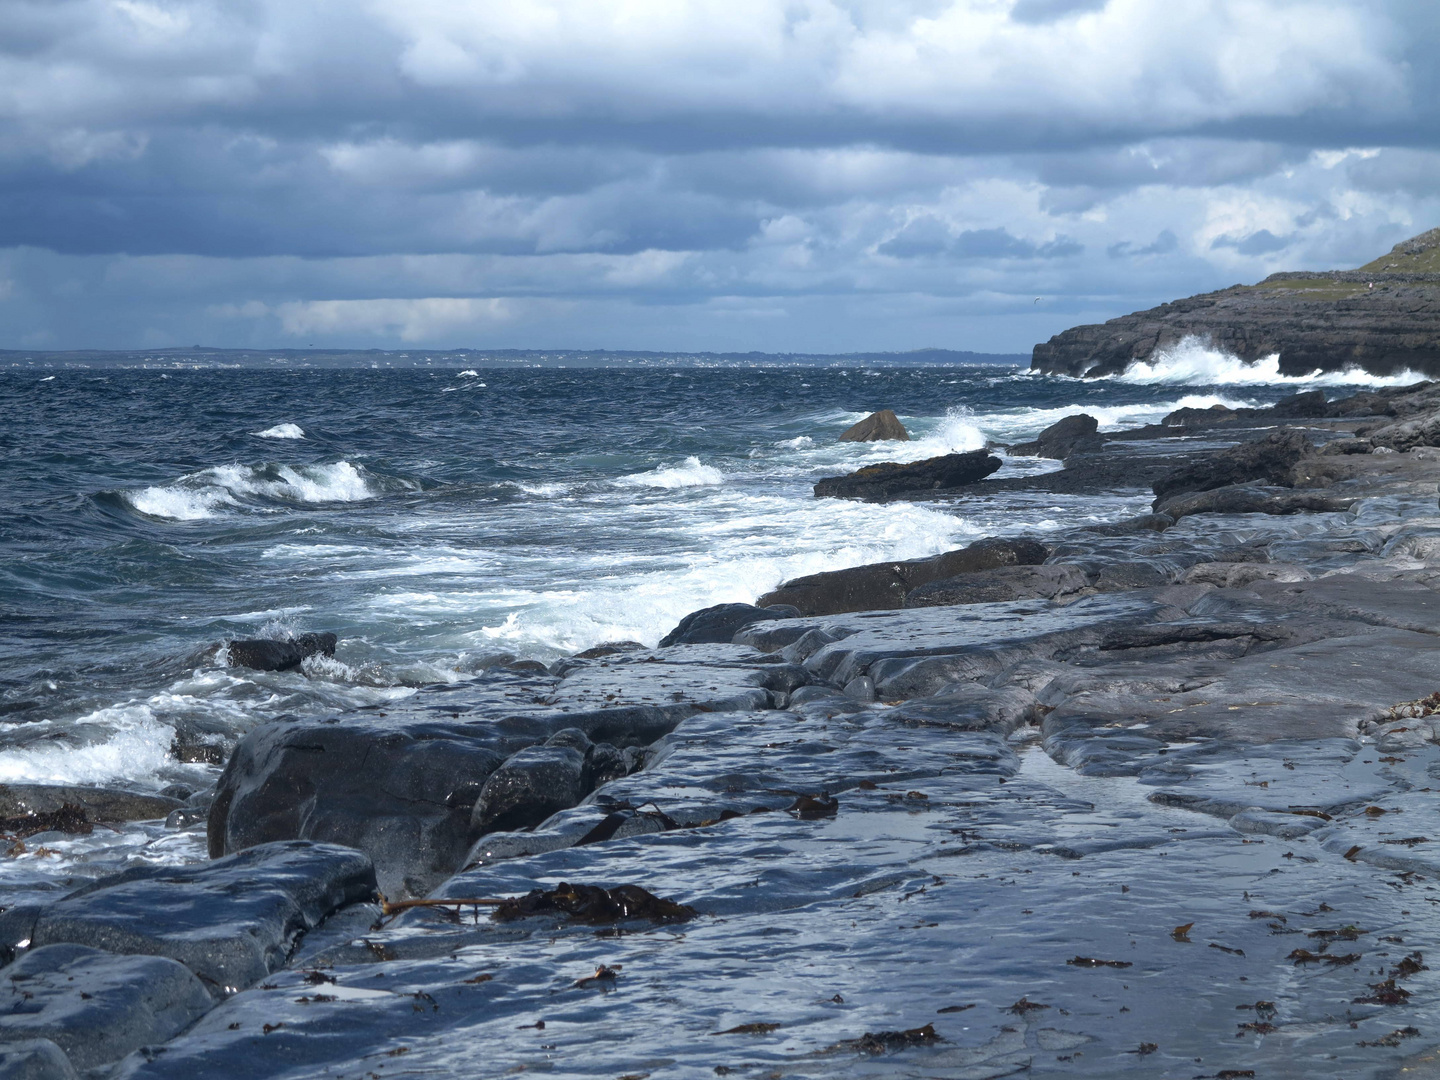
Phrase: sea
x=442 y=520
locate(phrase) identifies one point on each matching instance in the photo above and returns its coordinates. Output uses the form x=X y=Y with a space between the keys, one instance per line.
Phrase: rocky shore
x=1383 y=318
x=1146 y=798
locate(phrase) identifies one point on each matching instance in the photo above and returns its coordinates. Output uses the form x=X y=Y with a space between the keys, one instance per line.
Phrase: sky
x=776 y=175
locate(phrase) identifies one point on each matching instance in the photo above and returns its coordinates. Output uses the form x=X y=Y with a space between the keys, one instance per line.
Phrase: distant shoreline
x=200 y=357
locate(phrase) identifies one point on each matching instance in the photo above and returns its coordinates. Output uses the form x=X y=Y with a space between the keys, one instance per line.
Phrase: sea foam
x=281 y=431
x=1193 y=361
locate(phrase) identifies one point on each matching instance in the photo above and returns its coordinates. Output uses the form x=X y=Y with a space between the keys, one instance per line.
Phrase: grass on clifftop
x=1423 y=259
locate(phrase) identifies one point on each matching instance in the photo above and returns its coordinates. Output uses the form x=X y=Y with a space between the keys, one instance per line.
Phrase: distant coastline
x=206 y=357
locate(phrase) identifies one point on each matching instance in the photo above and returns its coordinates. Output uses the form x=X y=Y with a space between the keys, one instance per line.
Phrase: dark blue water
x=436 y=520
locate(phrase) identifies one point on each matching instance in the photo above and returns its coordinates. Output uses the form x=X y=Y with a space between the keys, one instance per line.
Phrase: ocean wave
x=209 y=492
x=281 y=431
x=1195 y=362
x=137 y=745
x=690 y=473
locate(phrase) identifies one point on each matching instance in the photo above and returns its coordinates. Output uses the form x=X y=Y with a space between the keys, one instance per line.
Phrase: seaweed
x=593 y=905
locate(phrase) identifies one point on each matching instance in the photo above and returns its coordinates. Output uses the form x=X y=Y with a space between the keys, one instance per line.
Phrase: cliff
x=1383 y=317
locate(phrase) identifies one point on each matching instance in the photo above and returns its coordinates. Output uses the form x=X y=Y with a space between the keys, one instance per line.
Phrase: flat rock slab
x=1032 y=923
x=915 y=653
x=95 y=1006
x=231 y=921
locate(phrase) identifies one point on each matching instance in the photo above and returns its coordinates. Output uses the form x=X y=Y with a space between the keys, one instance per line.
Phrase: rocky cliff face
x=1383 y=317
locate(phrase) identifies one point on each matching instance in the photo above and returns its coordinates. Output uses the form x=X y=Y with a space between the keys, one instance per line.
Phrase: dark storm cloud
x=411 y=171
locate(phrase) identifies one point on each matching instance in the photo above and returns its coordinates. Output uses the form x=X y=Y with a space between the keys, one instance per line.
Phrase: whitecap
x=691 y=473
x=48 y=378
x=1195 y=362
x=179 y=504
x=204 y=494
x=469 y=373
x=138 y=746
x=281 y=431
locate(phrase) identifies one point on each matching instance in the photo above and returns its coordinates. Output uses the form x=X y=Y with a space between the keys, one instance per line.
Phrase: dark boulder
x=263 y=654
x=1269 y=458
x=879 y=483
x=718 y=625
x=1070 y=435
x=402 y=787
x=1250 y=499
x=1192 y=417
x=1306 y=405
x=231 y=921
x=400 y=791
x=98 y=1007
x=1004 y=583
x=535 y=783
x=877 y=427
x=98 y=804
x=878 y=586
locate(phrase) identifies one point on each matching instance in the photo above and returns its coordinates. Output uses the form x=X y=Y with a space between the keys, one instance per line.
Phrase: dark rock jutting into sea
x=1383 y=318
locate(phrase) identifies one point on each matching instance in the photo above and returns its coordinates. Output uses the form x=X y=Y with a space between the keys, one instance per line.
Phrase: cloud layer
x=726 y=174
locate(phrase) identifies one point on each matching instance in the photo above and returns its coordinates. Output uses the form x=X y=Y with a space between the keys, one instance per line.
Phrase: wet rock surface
x=878 y=586
x=880 y=483
x=1066 y=436
x=1151 y=802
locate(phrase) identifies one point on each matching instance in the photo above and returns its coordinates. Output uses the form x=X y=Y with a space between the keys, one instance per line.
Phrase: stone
x=99 y=804
x=1269 y=458
x=1003 y=583
x=879 y=426
x=34 y=1059
x=1248 y=499
x=231 y=921
x=98 y=1007
x=878 y=586
x=887 y=480
x=399 y=790
x=535 y=783
x=1305 y=405
x=263 y=654
x=1407 y=434
x=1072 y=434
x=720 y=624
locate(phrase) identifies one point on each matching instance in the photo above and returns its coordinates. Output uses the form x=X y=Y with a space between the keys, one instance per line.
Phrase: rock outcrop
x=887 y=480
x=1383 y=318
x=879 y=586
x=879 y=426
x=264 y=654
x=1070 y=435
x=1269 y=458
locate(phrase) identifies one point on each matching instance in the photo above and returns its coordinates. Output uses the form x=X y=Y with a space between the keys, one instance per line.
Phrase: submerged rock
x=35 y=1059
x=1248 y=499
x=877 y=427
x=95 y=1006
x=878 y=586
x=1070 y=435
x=878 y=483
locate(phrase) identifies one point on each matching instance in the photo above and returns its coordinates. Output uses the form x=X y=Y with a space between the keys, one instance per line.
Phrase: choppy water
x=436 y=519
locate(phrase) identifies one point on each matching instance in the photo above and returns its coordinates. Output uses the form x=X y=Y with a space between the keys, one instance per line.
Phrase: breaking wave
x=209 y=492
x=690 y=473
x=281 y=431
x=1193 y=361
